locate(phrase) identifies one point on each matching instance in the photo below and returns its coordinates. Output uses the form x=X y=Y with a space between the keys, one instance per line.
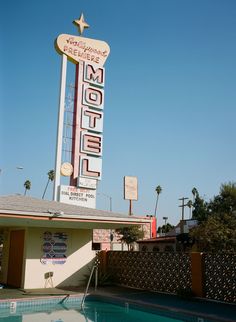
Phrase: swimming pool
x=94 y=311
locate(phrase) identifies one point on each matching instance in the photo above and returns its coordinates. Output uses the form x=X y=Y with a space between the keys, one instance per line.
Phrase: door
x=15 y=263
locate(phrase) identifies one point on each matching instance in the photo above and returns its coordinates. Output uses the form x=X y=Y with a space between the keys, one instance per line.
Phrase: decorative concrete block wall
x=212 y=276
x=220 y=276
x=163 y=272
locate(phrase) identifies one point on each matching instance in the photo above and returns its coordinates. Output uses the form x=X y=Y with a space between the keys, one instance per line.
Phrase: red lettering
x=92 y=143
x=86 y=171
x=92 y=118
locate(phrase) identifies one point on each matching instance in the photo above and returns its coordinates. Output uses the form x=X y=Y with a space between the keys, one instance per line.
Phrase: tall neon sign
x=85 y=168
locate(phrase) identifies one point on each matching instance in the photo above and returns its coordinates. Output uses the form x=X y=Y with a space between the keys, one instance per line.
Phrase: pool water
x=103 y=312
x=94 y=311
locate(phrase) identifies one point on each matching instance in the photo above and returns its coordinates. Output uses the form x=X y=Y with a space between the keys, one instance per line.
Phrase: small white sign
x=87 y=183
x=78 y=196
x=130 y=188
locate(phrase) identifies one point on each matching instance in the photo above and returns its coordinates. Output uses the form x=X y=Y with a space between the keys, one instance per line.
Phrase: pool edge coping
x=39 y=298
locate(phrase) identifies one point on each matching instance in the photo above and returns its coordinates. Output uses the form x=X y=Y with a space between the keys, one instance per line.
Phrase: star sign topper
x=81 y=24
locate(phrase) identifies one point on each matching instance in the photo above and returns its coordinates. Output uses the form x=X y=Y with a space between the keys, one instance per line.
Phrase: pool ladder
x=94 y=268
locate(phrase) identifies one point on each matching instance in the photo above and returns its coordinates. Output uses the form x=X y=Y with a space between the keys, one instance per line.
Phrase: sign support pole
x=77 y=122
x=60 y=127
x=130 y=207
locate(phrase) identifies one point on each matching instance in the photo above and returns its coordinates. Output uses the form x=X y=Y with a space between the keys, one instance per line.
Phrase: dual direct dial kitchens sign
x=85 y=168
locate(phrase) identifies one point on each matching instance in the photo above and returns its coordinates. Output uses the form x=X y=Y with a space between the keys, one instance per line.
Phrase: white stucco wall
x=79 y=254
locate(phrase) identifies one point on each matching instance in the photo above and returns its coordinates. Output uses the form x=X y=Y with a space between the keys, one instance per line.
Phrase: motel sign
x=85 y=165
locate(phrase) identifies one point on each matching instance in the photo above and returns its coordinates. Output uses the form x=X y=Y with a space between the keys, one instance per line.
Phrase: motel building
x=49 y=243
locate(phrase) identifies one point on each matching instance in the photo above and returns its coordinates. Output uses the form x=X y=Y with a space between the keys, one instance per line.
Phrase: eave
x=77 y=222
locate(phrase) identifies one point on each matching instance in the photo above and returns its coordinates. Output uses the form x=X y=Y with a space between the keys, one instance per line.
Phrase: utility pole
x=182 y=206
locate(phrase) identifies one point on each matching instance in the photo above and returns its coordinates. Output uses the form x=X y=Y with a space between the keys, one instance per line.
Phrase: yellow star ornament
x=81 y=24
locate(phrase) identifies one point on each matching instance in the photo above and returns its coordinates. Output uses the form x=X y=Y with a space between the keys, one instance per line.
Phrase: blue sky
x=170 y=96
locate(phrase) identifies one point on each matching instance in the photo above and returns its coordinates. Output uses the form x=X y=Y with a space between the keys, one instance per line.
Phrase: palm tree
x=158 y=191
x=27 y=186
x=195 y=193
x=190 y=204
x=51 y=177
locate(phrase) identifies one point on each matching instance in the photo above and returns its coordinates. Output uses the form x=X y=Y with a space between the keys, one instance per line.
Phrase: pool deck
x=215 y=311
